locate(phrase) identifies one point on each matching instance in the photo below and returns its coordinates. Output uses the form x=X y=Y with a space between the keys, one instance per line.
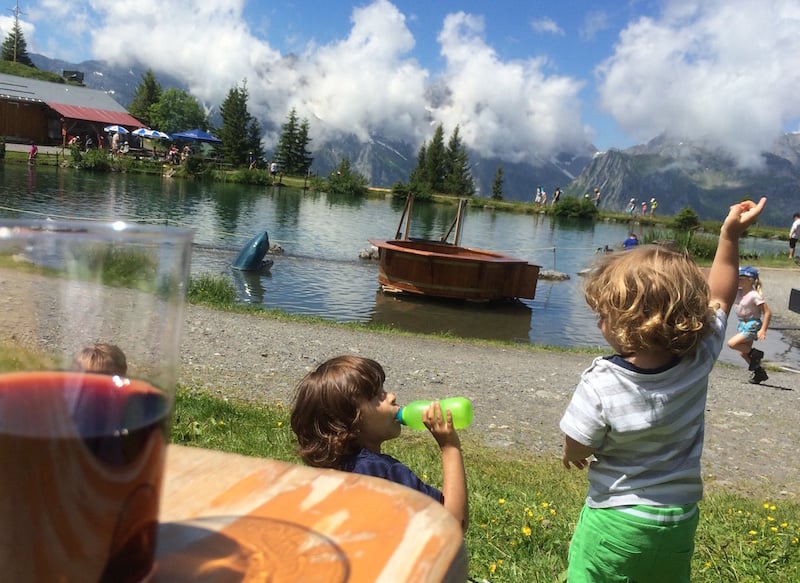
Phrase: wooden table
x=228 y=517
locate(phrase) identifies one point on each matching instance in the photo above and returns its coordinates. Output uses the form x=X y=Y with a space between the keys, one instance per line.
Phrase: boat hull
x=442 y=270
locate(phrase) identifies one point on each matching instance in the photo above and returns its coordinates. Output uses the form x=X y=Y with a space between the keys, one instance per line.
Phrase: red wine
x=82 y=458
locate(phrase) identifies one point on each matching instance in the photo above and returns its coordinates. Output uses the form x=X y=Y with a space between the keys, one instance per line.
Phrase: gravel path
x=518 y=392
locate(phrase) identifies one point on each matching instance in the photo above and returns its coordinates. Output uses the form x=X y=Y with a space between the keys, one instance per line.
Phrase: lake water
x=320 y=273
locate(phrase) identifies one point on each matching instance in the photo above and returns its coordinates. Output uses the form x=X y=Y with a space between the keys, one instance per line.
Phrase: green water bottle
x=460 y=407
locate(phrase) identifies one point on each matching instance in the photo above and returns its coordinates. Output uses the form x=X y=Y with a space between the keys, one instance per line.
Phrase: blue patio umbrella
x=197 y=135
x=115 y=130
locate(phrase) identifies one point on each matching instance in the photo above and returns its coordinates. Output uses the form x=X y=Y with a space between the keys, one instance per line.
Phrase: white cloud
x=547 y=25
x=505 y=109
x=725 y=71
x=593 y=23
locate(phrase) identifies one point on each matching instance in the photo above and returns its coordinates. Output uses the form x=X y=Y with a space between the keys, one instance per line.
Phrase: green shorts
x=633 y=544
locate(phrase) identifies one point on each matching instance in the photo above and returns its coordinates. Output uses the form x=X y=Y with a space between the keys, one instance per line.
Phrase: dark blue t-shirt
x=384 y=466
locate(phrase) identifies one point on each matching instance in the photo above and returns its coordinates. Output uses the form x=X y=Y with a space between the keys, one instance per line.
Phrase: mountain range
x=676 y=172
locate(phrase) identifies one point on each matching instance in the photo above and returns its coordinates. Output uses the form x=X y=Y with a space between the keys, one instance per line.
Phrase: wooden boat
x=442 y=269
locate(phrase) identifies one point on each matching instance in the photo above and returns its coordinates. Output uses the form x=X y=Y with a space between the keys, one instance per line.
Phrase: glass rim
x=11 y=228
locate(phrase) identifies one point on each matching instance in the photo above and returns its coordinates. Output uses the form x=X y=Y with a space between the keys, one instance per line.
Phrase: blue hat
x=748 y=271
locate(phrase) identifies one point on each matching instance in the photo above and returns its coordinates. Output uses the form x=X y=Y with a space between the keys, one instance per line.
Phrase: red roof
x=99 y=115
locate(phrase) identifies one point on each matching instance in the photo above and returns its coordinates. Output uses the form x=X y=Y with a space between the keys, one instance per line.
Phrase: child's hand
x=742 y=215
x=441 y=425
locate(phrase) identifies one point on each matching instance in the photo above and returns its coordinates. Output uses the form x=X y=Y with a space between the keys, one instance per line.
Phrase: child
x=342 y=415
x=640 y=413
x=101 y=358
x=754 y=316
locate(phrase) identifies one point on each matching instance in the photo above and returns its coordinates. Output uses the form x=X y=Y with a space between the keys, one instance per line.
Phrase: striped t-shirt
x=646 y=425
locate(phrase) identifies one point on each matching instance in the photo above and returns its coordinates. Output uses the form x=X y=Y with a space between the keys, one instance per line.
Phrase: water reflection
x=488 y=320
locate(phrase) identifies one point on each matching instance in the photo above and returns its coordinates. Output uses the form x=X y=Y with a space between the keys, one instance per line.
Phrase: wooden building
x=48 y=113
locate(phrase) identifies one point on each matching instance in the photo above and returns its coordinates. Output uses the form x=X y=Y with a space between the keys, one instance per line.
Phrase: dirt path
x=519 y=393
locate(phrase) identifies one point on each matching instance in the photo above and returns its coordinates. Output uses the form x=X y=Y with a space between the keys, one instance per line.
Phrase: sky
x=519 y=79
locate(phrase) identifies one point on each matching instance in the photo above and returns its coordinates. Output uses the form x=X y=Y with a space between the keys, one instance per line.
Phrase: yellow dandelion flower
x=526 y=530
x=529 y=513
x=493 y=568
x=545 y=504
x=501 y=501
x=766 y=505
x=784 y=524
x=552 y=512
x=795 y=540
x=774 y=528
x=280 y=423
x=770 y=519
x=773 y=508
x=708 y=564
x=752 y=532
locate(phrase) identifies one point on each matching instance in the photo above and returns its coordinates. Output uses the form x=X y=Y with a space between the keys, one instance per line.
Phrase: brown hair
x=101 y=358
x=326 y=414
x=652 y=298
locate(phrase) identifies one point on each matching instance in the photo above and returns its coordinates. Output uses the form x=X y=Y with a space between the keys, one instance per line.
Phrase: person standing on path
x=754 y=316
x=640 y=414
x=794 y=233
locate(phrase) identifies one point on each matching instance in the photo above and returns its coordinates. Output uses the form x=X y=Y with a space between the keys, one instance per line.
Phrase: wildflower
x=545 y=504
x=526 y=530
x=529 y=513
x=774 y=528
x=493 y=568
x=770 y=519
x=280 y=423
x=552 y=512
x=784 y=524
x=752 y=532
x=773 y=508
x=501 y=501
x=766 y=505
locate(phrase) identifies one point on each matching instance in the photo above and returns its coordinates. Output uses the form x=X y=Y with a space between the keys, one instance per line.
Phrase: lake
x=320 y=273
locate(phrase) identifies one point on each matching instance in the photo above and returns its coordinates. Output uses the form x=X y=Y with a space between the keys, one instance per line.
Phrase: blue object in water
x=251 y=257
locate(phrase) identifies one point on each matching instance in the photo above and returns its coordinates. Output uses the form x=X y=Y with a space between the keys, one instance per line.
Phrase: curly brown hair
x=651 y=298
x=326 y=410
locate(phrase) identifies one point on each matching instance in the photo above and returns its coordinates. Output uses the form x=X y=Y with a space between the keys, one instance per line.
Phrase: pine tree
x=497 y=185
x=292 y=151
x=286 y=143
x=15 y=49
x=457 y=177
x=305 y=159
x=147 y=94
x=435 y=161
x=238 y=128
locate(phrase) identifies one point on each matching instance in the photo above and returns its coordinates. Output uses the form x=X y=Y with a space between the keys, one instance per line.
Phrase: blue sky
x=520 y=79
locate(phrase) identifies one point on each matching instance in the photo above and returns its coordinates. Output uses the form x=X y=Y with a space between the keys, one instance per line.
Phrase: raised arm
x=454 y=476
x=723 y=279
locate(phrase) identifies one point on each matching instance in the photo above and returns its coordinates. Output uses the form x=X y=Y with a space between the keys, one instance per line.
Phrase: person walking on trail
x=637 y=418
x=653 y=206
x=754 y=316
x=33 y=153
x=794 y=233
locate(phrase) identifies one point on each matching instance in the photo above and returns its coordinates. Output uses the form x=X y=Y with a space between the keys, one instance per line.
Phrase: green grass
x=523 y=508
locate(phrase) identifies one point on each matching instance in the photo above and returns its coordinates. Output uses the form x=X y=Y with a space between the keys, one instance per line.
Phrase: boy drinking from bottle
x=342 y=415
x=640 y=413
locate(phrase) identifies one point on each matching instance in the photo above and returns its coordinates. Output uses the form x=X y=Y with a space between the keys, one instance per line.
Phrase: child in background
x=342 y=415
x=640 y=412
x=101 y=358
x=754 y=315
